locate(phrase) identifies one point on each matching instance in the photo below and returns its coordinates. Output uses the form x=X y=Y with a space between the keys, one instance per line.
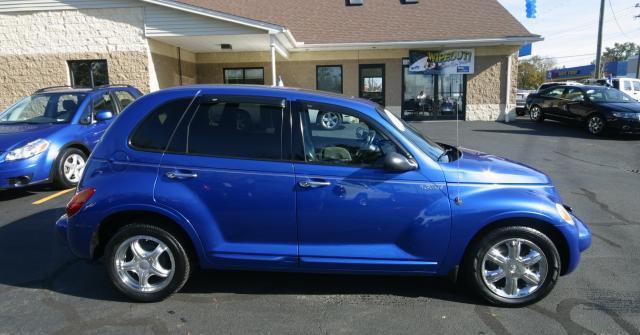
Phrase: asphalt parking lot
x=44 y=289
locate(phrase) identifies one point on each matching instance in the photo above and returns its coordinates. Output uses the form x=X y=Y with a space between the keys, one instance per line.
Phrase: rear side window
x=155 y=131
x=636 y=86
x=125 y=98
x=246 y=130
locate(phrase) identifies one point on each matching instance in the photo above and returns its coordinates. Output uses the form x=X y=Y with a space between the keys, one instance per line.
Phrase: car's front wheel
x=536 y=114
x=146 y=263
x=69 y=168
x=513 y=266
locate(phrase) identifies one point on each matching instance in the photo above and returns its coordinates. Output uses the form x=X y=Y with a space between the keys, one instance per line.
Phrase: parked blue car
x=48 y=136
x=240 y=177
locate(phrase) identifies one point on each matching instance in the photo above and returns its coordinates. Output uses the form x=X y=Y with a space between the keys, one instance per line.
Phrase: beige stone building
x=424 y=60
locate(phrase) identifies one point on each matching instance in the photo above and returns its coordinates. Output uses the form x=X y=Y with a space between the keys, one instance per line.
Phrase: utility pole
x=598 y=71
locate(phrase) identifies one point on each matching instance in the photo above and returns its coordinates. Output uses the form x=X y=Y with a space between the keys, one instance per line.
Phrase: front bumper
x=628 y=126
x=24 y=172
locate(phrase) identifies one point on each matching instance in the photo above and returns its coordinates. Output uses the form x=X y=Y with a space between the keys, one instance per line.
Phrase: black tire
x=596 y=125
x=472 y=268
x=59 y=178
x=181 y=267
x=536 y=113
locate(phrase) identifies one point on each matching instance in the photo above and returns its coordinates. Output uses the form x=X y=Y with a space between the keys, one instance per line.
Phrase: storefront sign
x=459 y=61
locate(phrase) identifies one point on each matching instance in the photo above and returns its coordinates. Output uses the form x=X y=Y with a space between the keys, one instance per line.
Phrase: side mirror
x=395 y=162
x=104 y=115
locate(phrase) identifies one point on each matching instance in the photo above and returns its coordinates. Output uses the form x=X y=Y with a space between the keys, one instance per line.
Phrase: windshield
x=43 y=108
x=425 y=144
x=607 y=94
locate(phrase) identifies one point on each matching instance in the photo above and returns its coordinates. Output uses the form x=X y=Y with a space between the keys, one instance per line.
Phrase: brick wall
x=35 y=48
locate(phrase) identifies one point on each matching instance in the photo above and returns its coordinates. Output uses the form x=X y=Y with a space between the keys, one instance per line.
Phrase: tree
x=533 y=72
x=620 y=52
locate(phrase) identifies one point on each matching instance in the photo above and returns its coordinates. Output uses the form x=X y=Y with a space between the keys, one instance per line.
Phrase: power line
x=616 y=19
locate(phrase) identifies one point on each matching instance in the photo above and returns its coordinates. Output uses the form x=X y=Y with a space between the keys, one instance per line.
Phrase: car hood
x=15 y=135
x=481 y=168
x=628 y=107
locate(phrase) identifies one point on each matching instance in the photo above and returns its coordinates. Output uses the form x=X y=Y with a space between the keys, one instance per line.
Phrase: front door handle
x=313 y=183
x=181 y=175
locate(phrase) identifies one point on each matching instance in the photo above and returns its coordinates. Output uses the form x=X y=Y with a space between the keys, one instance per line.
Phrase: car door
x=573 y=104
x=94 y=129
x=552 y=99
x=225 y=171
x=354 y=215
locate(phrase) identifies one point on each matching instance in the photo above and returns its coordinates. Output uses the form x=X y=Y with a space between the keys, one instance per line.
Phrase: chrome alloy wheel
x=596 y=125
x=329 y=120
x=73 y=167
x=514 y=268
x=144 y=264
x=535 y=113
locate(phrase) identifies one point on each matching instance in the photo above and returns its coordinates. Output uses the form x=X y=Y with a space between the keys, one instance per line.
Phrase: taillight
x=79 y=200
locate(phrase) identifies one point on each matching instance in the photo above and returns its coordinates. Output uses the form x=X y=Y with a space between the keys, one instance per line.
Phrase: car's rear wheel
x=146 y=263
x=596 y=125
x=536 y=114
x=69 y=168
x=513 y=266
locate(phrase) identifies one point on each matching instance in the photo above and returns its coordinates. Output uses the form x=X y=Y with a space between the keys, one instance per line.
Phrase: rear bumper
x=78 y=238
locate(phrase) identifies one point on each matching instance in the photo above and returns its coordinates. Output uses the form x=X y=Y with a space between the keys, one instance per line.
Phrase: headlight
x=564 y=214
x=625 y=115
x=31 y=149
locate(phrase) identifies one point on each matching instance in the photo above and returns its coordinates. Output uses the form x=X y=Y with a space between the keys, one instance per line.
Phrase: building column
x=273 y=66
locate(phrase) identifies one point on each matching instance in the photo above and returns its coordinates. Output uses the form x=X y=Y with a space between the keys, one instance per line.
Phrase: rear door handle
x=313 y=183
x=181 y=175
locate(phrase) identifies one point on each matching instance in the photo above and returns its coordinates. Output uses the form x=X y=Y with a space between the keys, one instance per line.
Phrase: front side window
x=356 y=142
x=246 y=130
x=125 y=98
x=43 y=108
x=606 y=94
x=627 y=85
x=104 y=102
x=249 y=76
x=329 y=78
x=88 y=73
x=636 y=86
x=155 y=131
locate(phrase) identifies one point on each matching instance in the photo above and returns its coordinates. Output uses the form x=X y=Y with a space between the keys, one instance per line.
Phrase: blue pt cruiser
x=241 y=177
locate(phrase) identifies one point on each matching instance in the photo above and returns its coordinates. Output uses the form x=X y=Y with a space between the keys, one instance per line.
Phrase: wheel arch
x=548 y=229
x=71 y=145
x=119 y=219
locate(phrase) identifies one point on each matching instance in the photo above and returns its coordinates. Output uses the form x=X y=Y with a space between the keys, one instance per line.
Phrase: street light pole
x=598 y=71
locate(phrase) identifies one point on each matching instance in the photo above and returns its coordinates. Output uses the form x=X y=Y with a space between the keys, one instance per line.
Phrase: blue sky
x=570 y=27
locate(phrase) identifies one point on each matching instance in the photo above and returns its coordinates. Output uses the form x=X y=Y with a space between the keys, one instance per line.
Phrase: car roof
x=287 y=92
x=70 y=89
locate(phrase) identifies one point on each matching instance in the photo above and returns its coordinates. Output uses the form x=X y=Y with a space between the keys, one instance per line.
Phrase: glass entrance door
x=372 y=82
x=432 y=97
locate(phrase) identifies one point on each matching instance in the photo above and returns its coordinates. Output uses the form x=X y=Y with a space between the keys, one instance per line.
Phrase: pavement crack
x=591 y=196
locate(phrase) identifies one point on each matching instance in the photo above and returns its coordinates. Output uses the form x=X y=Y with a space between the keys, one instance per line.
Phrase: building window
x=252 y=76
x=88 y=73
x=329 y=78
x=372 y=82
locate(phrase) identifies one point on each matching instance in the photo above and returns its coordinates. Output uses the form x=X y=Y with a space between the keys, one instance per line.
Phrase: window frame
x=285 y=145
x=148 y=115
x=341 y=78
x=297 y=146
x=382 y=66
x=91 y=77
x=244 y=74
